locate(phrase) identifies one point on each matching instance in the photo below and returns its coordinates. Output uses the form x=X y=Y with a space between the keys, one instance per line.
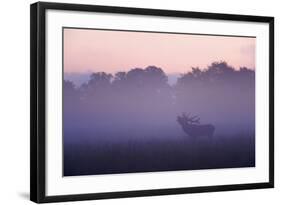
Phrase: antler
x=191 y=120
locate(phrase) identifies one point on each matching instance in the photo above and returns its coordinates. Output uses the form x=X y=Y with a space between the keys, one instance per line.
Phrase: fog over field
x=127 y=121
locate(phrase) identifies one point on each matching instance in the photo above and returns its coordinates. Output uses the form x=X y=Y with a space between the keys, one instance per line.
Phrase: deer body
x=192 y=127
x=199 y=130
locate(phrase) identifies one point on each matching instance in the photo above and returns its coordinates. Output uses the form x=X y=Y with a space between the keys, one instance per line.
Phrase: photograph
x=149 y=101
x=134 y=102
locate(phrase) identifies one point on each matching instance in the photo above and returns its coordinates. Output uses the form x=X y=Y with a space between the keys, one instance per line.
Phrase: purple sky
x=111 y=51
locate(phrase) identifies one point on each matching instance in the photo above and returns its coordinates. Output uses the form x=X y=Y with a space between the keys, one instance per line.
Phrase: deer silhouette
x=192 y=127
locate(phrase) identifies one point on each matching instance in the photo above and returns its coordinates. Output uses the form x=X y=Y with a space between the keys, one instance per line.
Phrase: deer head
x=186 y=119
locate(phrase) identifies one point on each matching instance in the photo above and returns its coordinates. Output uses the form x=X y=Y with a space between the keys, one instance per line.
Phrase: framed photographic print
x=129 y=102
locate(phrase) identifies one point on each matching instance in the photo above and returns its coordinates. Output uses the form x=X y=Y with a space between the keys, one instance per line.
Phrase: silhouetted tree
x=70 y=92
x=68 y=88
x=98 y=86
x=138 y=83
x=71 y=104
x=98 y=80
x=120 y=76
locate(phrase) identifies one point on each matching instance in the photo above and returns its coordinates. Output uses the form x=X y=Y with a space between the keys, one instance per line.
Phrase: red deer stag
x=192 y=127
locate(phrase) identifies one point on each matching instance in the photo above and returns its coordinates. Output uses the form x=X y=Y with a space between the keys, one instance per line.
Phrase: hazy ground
x=107 y=157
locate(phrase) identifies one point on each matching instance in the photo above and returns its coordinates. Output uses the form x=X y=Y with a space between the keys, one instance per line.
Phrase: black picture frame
x=38 y=101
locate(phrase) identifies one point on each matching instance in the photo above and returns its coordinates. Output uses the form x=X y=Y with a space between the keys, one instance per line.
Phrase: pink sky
x=112 y=51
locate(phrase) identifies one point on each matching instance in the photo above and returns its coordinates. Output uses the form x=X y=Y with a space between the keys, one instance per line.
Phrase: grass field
x=150 y=155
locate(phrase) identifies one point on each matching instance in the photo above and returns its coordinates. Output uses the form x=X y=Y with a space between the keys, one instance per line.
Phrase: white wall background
x=14 y=101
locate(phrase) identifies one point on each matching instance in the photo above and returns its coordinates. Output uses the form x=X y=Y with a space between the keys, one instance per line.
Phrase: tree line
x=143 y=97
